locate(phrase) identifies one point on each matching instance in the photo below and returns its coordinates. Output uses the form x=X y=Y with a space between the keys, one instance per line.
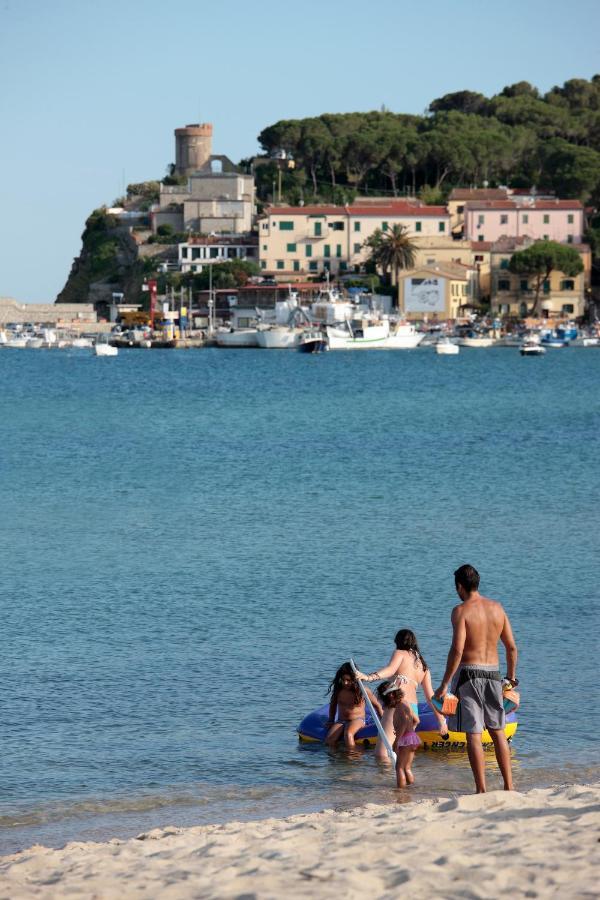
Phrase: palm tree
x=393 y=251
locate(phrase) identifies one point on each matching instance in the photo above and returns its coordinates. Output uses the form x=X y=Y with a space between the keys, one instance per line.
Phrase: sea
x=193 y=541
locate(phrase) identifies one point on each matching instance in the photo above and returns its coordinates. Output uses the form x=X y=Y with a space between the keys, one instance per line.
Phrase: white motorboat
x=239 y=337
x=81 y=342
x=476 y=340
x=404 y=336
x=446 y=347
x=590 y=341
x=16 y=342
x=532 y=346
x=103 y=348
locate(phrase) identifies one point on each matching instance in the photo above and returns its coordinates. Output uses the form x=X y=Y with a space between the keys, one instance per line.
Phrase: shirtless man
x=473 y=669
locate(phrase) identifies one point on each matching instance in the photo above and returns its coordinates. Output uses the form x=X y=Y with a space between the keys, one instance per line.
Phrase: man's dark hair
x=467 y=577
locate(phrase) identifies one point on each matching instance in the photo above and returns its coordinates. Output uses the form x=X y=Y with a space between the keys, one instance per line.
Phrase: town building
x=549 y=220
x=218 y=198
x=197 y=252
x=459 y=197
x=442 y=291
x=513 y=294
x=295 y=241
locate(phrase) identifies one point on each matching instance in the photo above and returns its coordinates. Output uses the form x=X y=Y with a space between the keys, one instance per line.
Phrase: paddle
x=382 y=735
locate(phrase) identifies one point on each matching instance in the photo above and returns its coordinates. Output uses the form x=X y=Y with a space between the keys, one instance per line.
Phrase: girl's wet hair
x=336 y=685
x=407 y=640
x=386 y=699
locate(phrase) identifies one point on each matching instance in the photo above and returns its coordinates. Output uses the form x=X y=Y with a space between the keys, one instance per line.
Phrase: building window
x=296 y=265
x=338 y=250
x=184 y=252
x=263 y=264
x=546 y=237
x=312 y=266
x=213 y=252
x=569 y=239
x=504 y=284
x=568 y=308
x=357 y=226
x=431 y=262
x=357 y=248
x=265 y=247
x=478 y=258
x=291 y=248
x=441 y=226
x=286 y=226
x=568 y=285
x=546 y=219
x=384 y=226
x=343 y=265
x=570 y=219
x=337 y=226
x=280 y=264
x=195 y=252
x=480 y=219
x=417 y=226
x=480 y=238
x=308 y=250
x=327 y=250
x=546 y=287
x=504 y=264
x=524 y=284
x=504 y=219
x=318 y=229
x=460 y=209
x=525 y=218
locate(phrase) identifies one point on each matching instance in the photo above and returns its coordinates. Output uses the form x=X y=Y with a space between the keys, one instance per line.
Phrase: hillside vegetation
x=518 y=138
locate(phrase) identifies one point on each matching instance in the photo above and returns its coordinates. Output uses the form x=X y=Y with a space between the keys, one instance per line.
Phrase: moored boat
x=313 y=340
x=236 y=337
x=446 y=347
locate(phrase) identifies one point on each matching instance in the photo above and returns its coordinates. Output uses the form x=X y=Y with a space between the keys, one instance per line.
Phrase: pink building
x=552 y=220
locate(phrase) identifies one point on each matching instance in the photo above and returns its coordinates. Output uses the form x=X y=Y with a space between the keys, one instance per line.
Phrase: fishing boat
x=313 y=340
x=313 y=729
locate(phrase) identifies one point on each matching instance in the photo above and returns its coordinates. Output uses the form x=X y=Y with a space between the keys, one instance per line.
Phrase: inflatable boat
x=312 y=729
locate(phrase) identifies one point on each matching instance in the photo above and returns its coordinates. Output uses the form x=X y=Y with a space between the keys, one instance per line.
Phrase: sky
x=93 y=89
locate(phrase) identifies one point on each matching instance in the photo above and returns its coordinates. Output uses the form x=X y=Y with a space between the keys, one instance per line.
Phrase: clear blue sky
x=91 y=91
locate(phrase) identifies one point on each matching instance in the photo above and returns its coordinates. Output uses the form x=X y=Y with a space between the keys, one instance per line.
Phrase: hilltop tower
x=193 y=147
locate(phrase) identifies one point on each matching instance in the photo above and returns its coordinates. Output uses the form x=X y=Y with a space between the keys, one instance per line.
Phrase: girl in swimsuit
x=347 y=707
x=405 y=720
x=411 y=671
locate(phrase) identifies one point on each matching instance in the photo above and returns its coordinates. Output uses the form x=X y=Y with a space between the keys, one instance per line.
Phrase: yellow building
x=296 y=241
x=513 y=295
x=437 y=292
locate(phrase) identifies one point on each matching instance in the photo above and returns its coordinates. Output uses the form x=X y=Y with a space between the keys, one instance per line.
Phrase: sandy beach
x=542 y=843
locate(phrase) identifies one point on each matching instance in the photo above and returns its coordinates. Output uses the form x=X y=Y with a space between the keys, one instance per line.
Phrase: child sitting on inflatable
x=406 y=719
x=347 y=713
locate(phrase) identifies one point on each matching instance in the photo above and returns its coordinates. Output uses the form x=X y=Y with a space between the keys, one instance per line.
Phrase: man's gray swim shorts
x=479 y=690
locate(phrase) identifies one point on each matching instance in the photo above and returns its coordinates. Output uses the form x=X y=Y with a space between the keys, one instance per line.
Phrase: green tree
x=392 y=251
x=540 y=260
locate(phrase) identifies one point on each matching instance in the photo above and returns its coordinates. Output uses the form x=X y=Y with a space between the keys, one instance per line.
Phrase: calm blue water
x=192 y=542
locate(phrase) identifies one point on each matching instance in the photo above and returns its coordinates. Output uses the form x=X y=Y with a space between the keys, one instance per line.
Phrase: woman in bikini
x=347 y=713
x=408 y=670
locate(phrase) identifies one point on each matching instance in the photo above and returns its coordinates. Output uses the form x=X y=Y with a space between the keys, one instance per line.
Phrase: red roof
x=524 y=207
x=399 y=208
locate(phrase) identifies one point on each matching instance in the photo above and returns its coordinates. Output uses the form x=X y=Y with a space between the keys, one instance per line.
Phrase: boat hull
x=237 y=339
x=279 y=339
x=476 y=342
x=313 y=729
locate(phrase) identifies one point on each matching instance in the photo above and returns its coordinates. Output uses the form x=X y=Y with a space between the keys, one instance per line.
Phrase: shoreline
x=537 y=843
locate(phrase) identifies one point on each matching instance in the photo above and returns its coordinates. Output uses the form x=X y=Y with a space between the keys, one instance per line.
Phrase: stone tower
x=193 y=147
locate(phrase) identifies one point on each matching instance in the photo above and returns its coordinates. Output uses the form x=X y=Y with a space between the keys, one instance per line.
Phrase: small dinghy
x=312 y=729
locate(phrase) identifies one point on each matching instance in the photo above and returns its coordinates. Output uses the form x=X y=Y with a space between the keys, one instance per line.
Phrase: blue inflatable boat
x=312 y=729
